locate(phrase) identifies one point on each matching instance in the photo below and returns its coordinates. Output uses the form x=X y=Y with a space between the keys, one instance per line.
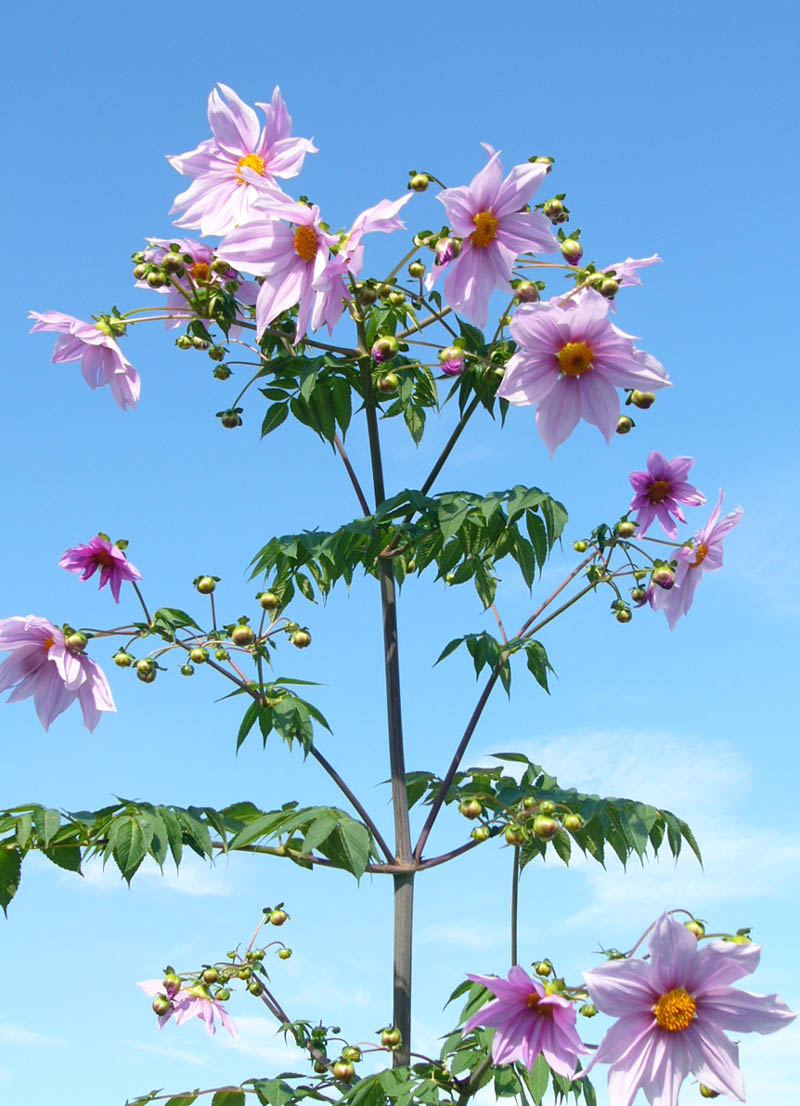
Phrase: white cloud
x=17 y=1035
x=171 y=1053
x=194 y=878
x=258 y=1037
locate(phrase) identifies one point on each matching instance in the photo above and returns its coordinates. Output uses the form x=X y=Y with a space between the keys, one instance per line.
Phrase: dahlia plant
x=395 y=345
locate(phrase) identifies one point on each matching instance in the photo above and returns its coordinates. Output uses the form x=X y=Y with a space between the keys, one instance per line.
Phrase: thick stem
x=403 y=882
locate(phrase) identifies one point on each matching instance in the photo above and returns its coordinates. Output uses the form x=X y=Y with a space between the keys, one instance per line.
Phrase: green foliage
x=487 y=652
x=317 y=391
x=282 y=710
x=462 y=534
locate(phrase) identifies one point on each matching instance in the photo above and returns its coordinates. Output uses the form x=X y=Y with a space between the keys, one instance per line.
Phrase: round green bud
x=391 y=1037
x=366 y=295
x=397 y=299
x=244 y=973
x=155 y=279
x=588 y=1010
x=199 y=654
x=514 y=835
x=145 y=665
x=269 y=601
x=211 y=975
x=664 y=577
x=626 y=529
x=200 y=343
x=205 y=584
x=123 y=659
x=161 y=1005
x=187 y=670
x=301 y=639
x=543 y=967
x=623 y=615
x=343 y=1070
x=216 y=353
x=639 y=596
x=608 y=287
x=352 y=1054
x=222 y=994
x=222 y=372
x=470 y=808
x=573 y=823
x=76 y=642
x=278 y=917
x=140 y=271
x=255 y=988
x=642 y=400
x=481 y=833
x=625 y=424
x=640 y=574
x=527 y=292
x=221 y=654
x=388 y=384
x=419 y=182
x=183 y=342
x=544 y=827
x=706 y=1092
x=697 y=928
x=547 y=806
x=416 y=269
x=553 y=208
x=147 y=677
x=243 y=634
x=319 y=1067
x=384 y=348
x=230 y=419
x=579 y=546
x=219 y=266
x=172 y=263
x=571 y=251
x=284 y=954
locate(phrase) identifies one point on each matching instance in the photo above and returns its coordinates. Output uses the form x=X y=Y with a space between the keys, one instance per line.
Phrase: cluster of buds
x=539 y=818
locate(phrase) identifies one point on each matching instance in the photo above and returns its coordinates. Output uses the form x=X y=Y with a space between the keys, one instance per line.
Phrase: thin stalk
x=140 y=597
x=449 y=444
x=514 y=905
x=362 y=499
x=403 y=882
x=345 y=789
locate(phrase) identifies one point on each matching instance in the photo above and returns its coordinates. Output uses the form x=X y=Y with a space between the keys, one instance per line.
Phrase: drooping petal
x=744 y=1012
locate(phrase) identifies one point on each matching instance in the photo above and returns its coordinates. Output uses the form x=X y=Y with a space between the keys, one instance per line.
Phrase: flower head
x=529 y=1022
x=99 y=553
x=569 y=362
x=660 y=491
x=42 y=666
x=187 y=1003
x=199 y=275
x=102 y=361
x=703 y=554
x=221 y=196
x=487 y=214
x=672 y=1011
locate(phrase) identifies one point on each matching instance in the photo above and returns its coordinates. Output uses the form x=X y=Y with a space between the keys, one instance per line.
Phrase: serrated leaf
x=319 y=829
x=348 y=846
x=182 y=1099
x=538 y=1078
x=65 y=856
x=10 y=872
x=563 y=845
x=247 y=723
x=276 y=414
x=128 y=844
x=233 y=1096
x=174 y=835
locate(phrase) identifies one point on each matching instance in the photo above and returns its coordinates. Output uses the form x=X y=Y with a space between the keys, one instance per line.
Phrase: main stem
x=403 y=881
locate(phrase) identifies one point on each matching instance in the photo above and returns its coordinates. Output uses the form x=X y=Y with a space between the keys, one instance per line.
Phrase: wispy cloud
x=171 y=1053
x=194 y=878
x=258 y=1037
x=18 y=1035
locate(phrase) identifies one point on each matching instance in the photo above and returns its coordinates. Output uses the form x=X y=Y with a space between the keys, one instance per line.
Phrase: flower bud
x=623 y=615
x=391 y=1037
x=187 y=670
x=625 y=424
x=320 y=1067
x=205 y=584
x=199 y=655
x=278 y=917
x=573 y=823
x=352 y=1054
x=388 y=384
x=543 y=967
x=384 y=348
x=183 y=342
x=147 y=677
x=301 y=639
x=579 y=546
x=571 y=251
x=230 y=419
x=222 y=372
x=527 y=292
x=642 y=400
x=664 y=577
x=416 y=269
x=76 y=642
x=122 y=659
x=397 y=299
x=553 y=209
x=547 y=806
x=161 y=1005
x=219 y=266
x=255 y=988
x=140 y=271
x=216 y=353
x=343 y=1070
x=366 y=295
x=544 y=827
x=640 y=574
x=470 y=808
x=706 y=1092
x=419 y=182
x=268 y=600
x=244 y=973
x=639 y=596
x=447 y=250
x=222 y=994
x=155 y=279
x=221 y=654
x=284 y=954
x=145 y=667
x=242 y=634
x=588 y=1010
x=200 y=343
x=452 y=360
x=514 y=835
x=695 y=927
x=481 y=833
x=626 y=529
x=211 y=975
x=172 y=263
x=608 y=287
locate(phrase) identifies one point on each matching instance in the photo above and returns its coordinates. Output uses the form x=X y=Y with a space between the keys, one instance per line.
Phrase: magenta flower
x=672 y=1010
x=660 y=491
x=100 y=553
x=487 y=214
x=201 y=275
x=188 y=1003
x=528 y=1022
x=569 y=362
x=43 y=667
x=220 y=196
x=289 y=258
x=102 y=361
x=330 y=286
x=703 y=554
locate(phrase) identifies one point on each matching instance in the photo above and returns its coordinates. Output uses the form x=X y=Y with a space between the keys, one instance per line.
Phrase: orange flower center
x=658 y=491
x=485 y=229
x=48 y=643
x=249 y=161
x=201 y=271
x=533 y=1001
x=675 y=1010
x=305 y=243
x=575 y=359
x=700 y=554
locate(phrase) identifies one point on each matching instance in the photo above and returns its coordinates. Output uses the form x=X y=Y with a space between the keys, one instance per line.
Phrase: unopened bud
x=571 y=251
x=155 y=279
x=366 y=295
x=419 y=182
x=122 y=659
x=481 y=833
x=284 y=954
x=76 y=642
x=626 y=529
x=161 y=1005
x=172 y=262
x=452 y=360
x=416 y=269
x=706 y=1092
x=579 y=546
x=222 y=372
x=608 y=287
x=200 y=343
x=397 y=299
x=625 y=424
x=543 y=967
x=642 y=400
x=230 y=419
x=447 y=250
x=623 y=615
x=216 y=353
x=639 y=596
x=140 y=271
x=384 y=348
x=588 y=1010
x=221 y=654
x=219 y=266
x=527 y=292
x=664 y=577
x=183 y=342
x=545 y=827
x=187 y=670
x=695 y=927
x=553 y=208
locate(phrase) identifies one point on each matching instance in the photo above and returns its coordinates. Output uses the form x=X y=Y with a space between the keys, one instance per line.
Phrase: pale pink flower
x=190 y=1002
x=625 y=272
x=199 y=275
x=487 y=214
x=569 y=362
x=672 y=1011
x=99 y=553
x=289 y=258
x=221 y=196
x=41 y=666
x=704 y=554
x=660 y=490
x=529 y=1021
x=102 y=361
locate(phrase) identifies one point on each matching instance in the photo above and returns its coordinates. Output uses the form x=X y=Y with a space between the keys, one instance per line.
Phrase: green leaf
x=348 y=845
x=272 y=1092
x=689 y=837
x=183 y=1099
x=319 y=829
x=276 y=414
x=10 y=870
x=233 y=1096
x=415 y=421
x=248 y=721
x=538 y=664
x=174 y=835
x=46 y=822
x=563 y=845
x=538 y=1079
x=127 y=841
x=65 y=856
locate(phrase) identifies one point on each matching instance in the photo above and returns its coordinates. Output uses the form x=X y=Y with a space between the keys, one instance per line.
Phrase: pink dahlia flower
x=220 y=196
x=487 y=214
x=188 y=1003
x=201 y=274
x=100 y=553
x=672 y=1011
x=704 y=554
x=289 y=258
x=528 y=1022
x=102 y=361
x=330 y=286
x=42 y=666
x=625 y=272
x=660 y=491
x=569 y=362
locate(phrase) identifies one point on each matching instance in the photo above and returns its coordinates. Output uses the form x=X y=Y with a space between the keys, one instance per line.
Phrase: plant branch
x=345 y=789
x=362 y=499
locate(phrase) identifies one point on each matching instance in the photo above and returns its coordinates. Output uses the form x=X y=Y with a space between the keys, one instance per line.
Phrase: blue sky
x=671 y=128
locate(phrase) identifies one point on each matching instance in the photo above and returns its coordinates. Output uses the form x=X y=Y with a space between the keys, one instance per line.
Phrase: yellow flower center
x=700 y=555
x=533 y=1001
x=575 y=359
x=48 y=643
x=485 y=229
x=658 y=491
x=305 y=243
x=675 y=1010
x=249 y=161
x=201 y=271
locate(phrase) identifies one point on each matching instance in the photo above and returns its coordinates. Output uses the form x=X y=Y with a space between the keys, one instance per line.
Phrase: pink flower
x=289 y=258
x=42 y=666
x=487 y=214
x=660 y=490
x=529 y=1022
x=625 y=271
x=569 y=362
x=201 y=275
x=100 y=553
x=220 y=196
x=188 y=1003
x=102 y=361
x=704 y=554
x=330 y=286
x=672 y=1010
